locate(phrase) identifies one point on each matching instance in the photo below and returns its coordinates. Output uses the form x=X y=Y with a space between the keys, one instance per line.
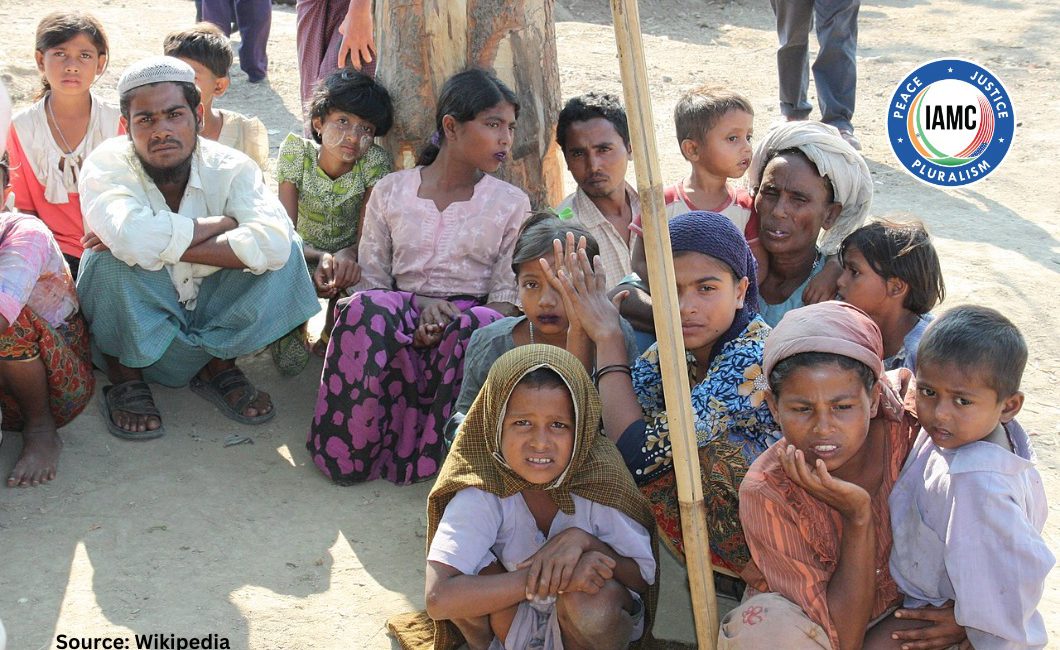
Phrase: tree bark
x=421 y=43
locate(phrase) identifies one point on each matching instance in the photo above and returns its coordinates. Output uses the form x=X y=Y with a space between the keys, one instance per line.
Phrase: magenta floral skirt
x=382 y=403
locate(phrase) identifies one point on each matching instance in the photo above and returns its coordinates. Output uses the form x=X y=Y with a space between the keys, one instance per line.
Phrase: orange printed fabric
x=66 y=359
x=794 y=538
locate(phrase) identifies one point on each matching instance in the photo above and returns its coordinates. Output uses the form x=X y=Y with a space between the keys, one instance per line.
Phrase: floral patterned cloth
x=729 y=403
x=64 y=351
x=733 y=427
x=329 y=209
x=382 y=403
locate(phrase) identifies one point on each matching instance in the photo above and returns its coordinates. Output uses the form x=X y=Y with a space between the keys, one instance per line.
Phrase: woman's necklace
x=67 y=149
x=531 y=330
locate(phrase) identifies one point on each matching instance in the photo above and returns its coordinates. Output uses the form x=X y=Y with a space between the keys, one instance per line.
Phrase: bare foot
x=39 y=458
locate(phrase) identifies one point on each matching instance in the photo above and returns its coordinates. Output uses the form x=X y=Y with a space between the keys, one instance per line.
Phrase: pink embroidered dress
x=382 y=402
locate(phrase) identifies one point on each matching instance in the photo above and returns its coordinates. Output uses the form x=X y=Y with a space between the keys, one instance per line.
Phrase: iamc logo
x=950 y=122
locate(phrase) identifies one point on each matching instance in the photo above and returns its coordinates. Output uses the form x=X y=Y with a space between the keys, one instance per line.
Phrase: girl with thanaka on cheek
x=537 y=535
x=325 y=184
x=814 y=506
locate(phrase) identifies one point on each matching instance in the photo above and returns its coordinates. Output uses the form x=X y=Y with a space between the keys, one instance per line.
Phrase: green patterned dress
x=328 y=209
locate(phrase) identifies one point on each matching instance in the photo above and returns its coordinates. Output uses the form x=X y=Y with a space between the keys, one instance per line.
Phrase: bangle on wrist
x=615 y=367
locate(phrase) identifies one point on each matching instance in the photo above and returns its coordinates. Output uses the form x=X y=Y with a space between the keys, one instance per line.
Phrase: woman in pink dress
x=435 y=255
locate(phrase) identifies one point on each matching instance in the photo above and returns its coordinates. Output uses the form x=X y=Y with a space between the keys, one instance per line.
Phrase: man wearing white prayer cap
x=191 y=261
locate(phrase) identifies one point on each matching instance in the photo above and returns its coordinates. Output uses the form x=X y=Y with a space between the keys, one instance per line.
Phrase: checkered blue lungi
x=133 y=314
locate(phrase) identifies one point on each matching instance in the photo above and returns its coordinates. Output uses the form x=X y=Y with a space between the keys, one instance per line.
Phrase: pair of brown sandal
x=135 y=397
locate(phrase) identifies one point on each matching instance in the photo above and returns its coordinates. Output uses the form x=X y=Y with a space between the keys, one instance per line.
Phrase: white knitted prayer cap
x=152 y=70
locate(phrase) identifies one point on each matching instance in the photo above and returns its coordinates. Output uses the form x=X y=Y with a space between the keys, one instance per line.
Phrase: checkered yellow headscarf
x=596 y=471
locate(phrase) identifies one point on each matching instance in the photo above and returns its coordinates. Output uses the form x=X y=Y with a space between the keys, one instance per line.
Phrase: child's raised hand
x=851 y=500
x=561 y=250
x=591 y=573
x=584 y=293
x=553 y=565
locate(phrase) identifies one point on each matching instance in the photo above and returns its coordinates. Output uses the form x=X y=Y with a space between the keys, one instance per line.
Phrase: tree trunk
x=421 y=43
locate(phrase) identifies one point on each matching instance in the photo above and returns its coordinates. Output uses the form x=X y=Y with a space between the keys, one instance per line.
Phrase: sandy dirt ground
x=183 y=536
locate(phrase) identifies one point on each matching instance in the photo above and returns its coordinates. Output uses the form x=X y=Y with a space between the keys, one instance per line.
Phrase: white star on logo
x=950 y=69
x=1001 y=139
x=900 y=140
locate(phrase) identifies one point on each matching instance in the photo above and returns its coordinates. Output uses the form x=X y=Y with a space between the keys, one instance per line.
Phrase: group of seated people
x=857 y=454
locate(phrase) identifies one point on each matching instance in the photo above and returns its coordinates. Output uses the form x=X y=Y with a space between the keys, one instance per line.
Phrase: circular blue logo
x=950 y=122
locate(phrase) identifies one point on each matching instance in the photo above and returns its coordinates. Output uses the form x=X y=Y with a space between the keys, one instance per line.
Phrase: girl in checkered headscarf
x=528 y=476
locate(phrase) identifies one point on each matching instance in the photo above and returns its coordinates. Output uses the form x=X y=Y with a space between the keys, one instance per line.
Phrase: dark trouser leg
x=220 y=13
x=255 y=22
x=835 y=71
x=794 y=18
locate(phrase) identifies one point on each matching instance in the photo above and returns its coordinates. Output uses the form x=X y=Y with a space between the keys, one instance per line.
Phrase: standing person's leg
x=255 y=23
x=835 y=71
x=794 y=18
x=220 y=13
x=317 y=23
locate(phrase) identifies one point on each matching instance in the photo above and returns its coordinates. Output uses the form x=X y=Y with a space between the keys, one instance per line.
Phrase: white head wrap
x=834 y=158
x=153 y=70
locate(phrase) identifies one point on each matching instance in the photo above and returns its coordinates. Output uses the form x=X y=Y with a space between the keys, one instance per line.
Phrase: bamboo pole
x=667 y=315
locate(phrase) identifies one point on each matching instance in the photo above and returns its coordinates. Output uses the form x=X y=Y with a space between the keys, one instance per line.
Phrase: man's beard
x=168 y=175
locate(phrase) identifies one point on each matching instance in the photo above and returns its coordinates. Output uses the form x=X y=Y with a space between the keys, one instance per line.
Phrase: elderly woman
x=45 y=374
x=806 y=180
x=724 y=339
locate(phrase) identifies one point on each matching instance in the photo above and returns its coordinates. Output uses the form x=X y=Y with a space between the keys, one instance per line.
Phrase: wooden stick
x=667 y=314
